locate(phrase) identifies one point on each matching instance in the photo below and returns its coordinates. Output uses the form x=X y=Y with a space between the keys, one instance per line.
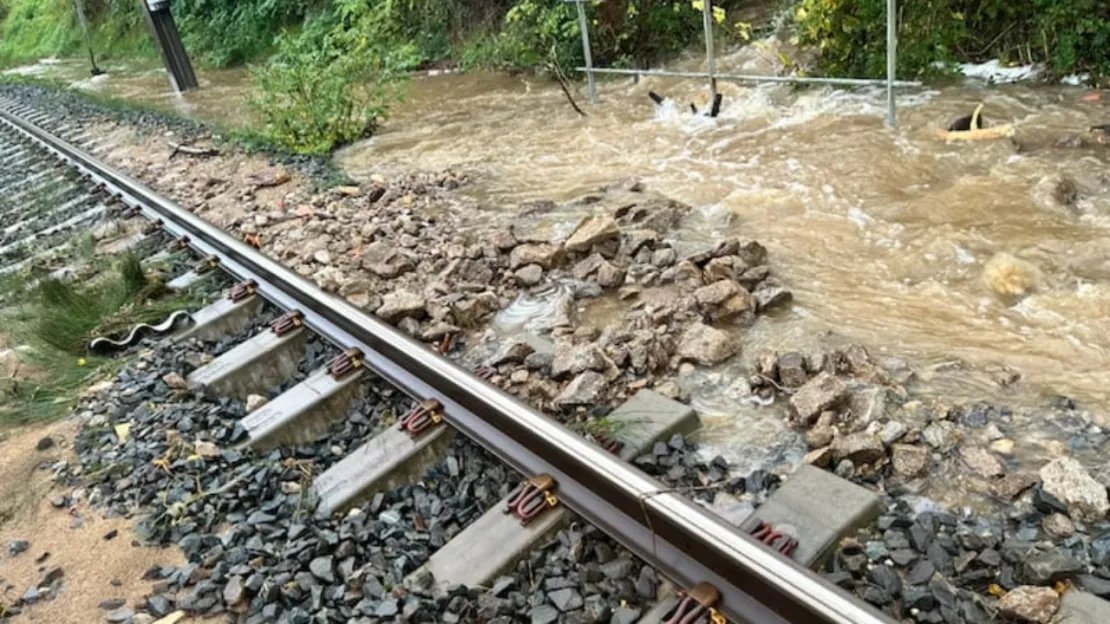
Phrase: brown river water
x=883 y=235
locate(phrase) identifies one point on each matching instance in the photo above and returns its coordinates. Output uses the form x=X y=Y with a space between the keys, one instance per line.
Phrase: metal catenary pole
x=584 y=26
x=168 y=40
x=711 y=60
x=891 y=60
x=96 y=71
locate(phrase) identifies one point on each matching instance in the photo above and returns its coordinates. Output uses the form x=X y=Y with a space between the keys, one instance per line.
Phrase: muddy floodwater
x=886 y=237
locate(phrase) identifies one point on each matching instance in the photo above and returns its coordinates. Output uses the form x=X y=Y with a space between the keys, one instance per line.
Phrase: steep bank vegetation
x=1069 y=36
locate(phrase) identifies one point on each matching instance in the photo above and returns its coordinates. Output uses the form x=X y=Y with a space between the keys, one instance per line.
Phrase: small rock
x=530 y=274
x=323 y=569
x=111 y=535
x=910 y=460
x=1044 y=568
x=592 y=231
x=1013 y=484
x=112 y=604
x=707 y=345
x=585 y=389
x=566 y=599
x=892 y=432
x=792 y=369
x=860 y=448
x=255 y=401
x=45 y=444
x=175 y=381
x=544 y=614
x=822 y=432
x=610 y=275
x=18 y=546
x=234 y=592
x=401 y=304
x=819 y=457
x=542 y=254
x=1066 y=479
x=1035 y=605
x=982 y=462
x=1058 y=526
x=817 y=395
x=1003 y=446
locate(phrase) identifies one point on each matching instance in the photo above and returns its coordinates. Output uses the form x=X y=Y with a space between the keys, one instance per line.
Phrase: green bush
x=1069 y=35
x=325 y=88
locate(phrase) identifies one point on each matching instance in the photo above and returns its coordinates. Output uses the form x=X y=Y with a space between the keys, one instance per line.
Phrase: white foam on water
x=994 y=71
x=1076 y=80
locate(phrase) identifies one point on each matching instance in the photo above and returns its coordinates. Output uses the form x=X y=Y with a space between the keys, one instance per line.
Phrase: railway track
x=721 y=572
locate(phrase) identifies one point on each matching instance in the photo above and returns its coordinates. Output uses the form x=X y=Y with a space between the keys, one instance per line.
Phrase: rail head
x=684 y=542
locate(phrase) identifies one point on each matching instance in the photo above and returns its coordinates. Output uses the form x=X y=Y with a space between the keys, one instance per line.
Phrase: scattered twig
x=189 y=150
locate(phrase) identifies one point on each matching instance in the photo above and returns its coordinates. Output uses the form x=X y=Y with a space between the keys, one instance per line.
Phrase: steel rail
x=681 y=540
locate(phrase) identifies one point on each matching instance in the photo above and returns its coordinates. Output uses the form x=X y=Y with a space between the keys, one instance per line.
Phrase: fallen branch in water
x=189 y=150
x=564 y=83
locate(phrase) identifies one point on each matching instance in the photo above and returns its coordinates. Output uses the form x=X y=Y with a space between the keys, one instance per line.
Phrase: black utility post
x=169 y=44
x=96 y=71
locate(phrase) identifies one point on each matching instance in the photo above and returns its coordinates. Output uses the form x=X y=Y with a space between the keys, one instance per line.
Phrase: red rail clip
x=242 y=290
x=287 y=322
x=346 y=362
x=422 y=416
x=699 y=602
x=532 y=497
x=612 y=445
x=776 y=539
x=485 y=373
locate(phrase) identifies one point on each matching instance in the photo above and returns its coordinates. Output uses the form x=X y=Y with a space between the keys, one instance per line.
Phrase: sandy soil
x=90 y=562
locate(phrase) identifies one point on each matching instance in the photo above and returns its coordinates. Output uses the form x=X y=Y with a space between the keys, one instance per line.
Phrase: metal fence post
x=711 y=61
x=584 y=26
x=891 y=60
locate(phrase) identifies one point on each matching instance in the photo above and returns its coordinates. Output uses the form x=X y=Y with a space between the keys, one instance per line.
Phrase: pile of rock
x=935 y=566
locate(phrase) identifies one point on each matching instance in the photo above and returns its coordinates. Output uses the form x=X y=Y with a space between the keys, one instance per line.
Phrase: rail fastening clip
x=422 y=416
x=698 y=602
x=287 y=322
x=532 y=497
x=242 y=290
x=346 y=362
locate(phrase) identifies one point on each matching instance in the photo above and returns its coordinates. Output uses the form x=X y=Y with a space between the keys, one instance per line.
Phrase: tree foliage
x=1068 y=35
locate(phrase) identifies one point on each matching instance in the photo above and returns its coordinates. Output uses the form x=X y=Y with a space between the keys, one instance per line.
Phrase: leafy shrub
x=1069 y=35
x=326 y=88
